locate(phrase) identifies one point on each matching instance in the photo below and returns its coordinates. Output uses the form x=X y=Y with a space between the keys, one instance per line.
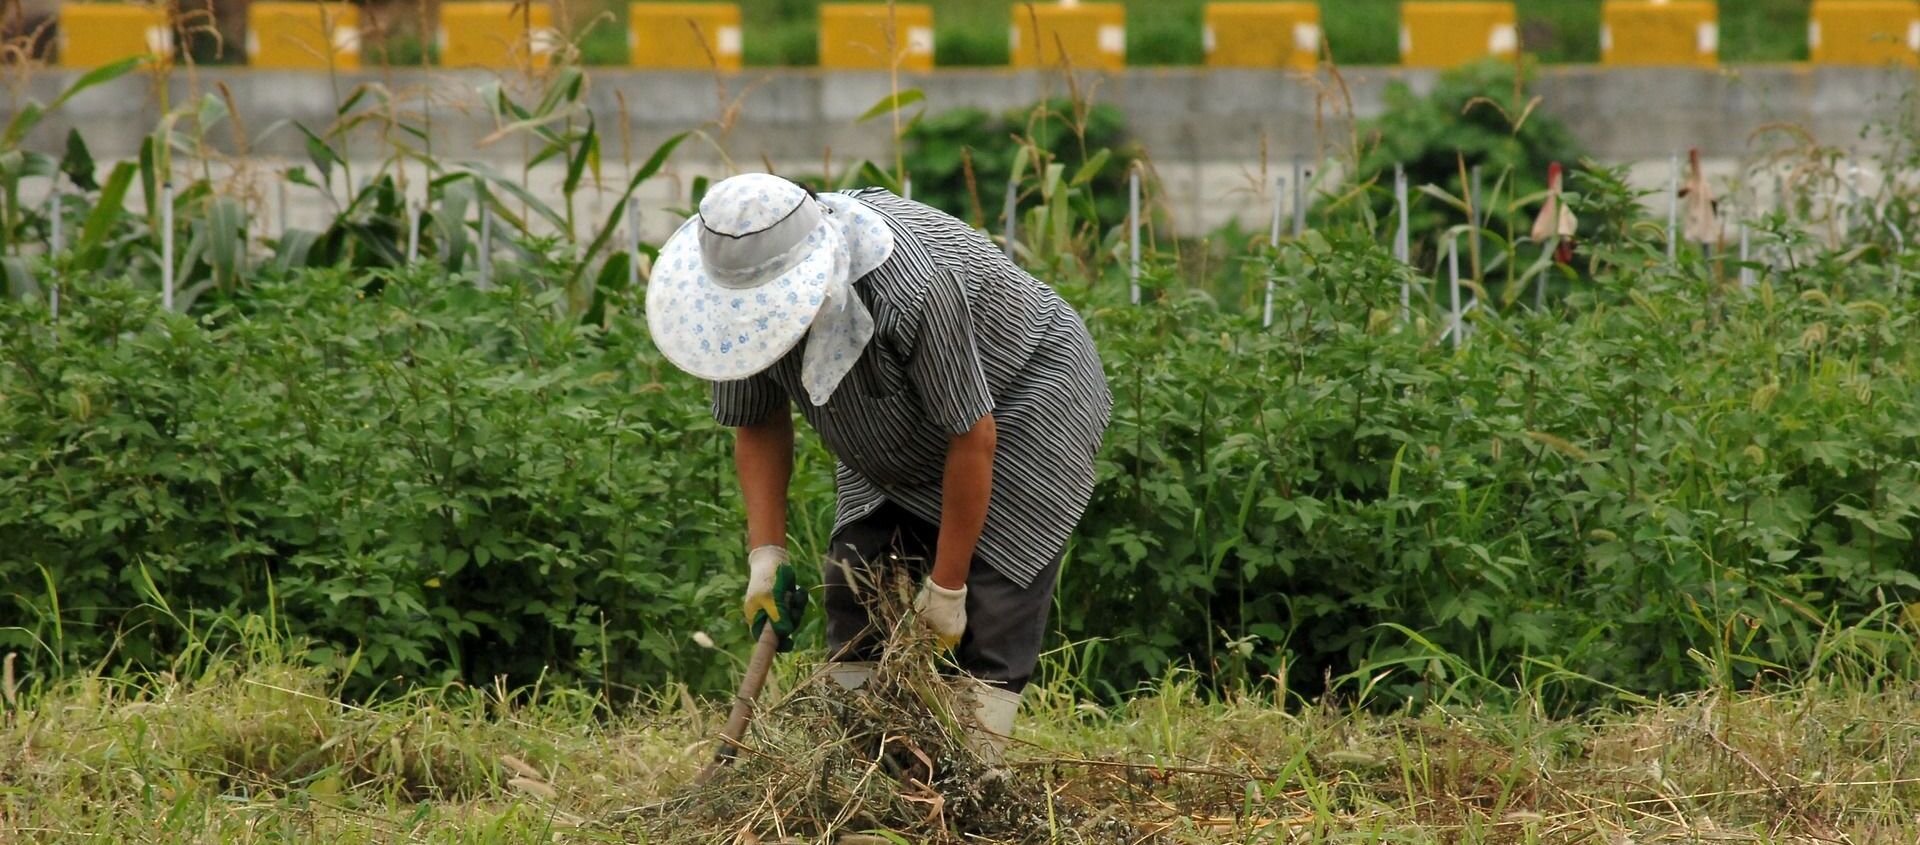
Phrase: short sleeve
x=749 y=401
x=945 y=366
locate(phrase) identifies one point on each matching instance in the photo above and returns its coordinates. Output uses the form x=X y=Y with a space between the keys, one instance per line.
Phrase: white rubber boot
x=993 y=712
x=850 y=676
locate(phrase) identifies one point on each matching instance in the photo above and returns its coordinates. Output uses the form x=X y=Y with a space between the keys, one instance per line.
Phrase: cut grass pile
x=253 y=749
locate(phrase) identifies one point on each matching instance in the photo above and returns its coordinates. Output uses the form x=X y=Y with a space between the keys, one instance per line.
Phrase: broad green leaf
x=893 y=103
x=320 y=153
x=89 y=252
x=1091 y=169
x=30 y=115
x=77 y=164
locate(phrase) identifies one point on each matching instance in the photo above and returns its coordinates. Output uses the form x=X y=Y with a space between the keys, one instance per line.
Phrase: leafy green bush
x=1671 y=482
x=1666 y=477
x=1676 y=482
x=1476 y=117
x=432 y=482
x=939 y=146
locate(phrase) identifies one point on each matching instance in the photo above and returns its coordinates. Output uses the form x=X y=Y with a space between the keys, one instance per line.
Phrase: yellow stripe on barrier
x=855 y=36
x=1864 y=32
x=1653 y=33
x=1444 y=35
x=307 y=36
x=95 y=34
x=1088 y=36
x=1270 y=35
x=495 y=34
x=684 y=36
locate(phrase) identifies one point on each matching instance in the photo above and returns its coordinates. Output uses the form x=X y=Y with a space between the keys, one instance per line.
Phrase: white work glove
x=762 y=565
x=943 y=611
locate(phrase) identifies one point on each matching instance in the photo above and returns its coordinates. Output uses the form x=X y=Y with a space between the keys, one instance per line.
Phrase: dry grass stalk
x=823 y=762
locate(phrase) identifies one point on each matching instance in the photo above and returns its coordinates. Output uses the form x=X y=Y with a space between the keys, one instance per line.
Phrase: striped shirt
x=959 y=332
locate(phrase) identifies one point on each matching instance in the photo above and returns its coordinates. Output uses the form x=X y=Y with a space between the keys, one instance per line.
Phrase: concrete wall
x=1179 y=113
x=1207 y=131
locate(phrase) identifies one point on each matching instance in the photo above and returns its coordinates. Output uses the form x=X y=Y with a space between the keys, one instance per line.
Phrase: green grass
x=254 y=748
x=1167 y=32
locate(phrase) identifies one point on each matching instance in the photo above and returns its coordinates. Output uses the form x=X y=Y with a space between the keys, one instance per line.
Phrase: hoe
x=743 y=701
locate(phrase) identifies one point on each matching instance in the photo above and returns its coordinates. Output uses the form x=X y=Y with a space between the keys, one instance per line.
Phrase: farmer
x=962 y=398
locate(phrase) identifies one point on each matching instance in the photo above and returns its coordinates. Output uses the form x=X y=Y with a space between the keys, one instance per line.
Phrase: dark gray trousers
x=1006 y=623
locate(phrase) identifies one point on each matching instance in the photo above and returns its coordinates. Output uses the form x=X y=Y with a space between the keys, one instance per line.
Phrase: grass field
x=252 y=749
x=1167 y=32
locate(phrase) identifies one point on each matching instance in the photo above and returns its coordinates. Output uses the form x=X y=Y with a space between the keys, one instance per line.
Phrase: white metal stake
x=413 y=233
x=1300 y=176
x=1133 y=233
x=1279 y=210
x=906 y=189
x=57 y=236
x=1853 y=197
x=1402 y=239
x=1453 y=274
x=1007 y=217
x=1746 y=250
x=166 y=245
x=1900 y=253
x=633 y=248
x=1673 y=209
x=55 y=218
x=1474 y=214
x=486 y=246
x=1273 y=240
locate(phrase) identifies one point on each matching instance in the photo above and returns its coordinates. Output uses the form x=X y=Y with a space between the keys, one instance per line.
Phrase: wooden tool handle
x=743 y=701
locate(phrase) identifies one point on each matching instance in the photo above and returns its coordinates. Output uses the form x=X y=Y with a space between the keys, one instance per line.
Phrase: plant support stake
x=1453 y=274
x=1402 y=239
x=166 y=245
x=56 y=237
x=53 y=218
x=1540 y=289
x=1007 y=217
x=1133 y=233
x=413 y=233
x=280 y=192
x=1673 y=209
x=1899 y=254
x=1273 y=240
x=633 y=248
x=1300 y=176
x=1474 y=215
x=486 y=245
x=1853 y=198
x=1746 y=250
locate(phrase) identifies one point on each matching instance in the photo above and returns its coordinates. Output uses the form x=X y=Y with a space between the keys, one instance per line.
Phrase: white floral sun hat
x=762 y=266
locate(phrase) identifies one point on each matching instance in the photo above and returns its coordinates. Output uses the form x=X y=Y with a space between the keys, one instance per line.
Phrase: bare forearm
x=965 y=491
x=763 y=457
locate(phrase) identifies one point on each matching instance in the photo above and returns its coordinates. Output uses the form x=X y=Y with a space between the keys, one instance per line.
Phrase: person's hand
x=943 y=611
x=773 y=594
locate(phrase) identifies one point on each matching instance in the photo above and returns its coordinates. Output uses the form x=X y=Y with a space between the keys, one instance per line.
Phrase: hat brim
x=720 y=333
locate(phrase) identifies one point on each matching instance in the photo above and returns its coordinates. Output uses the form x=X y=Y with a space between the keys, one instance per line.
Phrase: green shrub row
x=431 y=481
x=1673 y=480
x=1677 y=482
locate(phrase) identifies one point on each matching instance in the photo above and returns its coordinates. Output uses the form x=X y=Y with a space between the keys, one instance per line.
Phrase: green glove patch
x=793 y=608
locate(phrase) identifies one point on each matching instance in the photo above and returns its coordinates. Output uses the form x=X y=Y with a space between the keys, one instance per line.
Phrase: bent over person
x=962 y=398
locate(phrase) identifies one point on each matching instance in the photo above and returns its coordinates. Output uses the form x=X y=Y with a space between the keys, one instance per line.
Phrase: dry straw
x=823 y=762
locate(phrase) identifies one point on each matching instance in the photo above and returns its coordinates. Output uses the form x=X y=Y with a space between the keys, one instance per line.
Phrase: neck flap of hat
x=841 y=332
